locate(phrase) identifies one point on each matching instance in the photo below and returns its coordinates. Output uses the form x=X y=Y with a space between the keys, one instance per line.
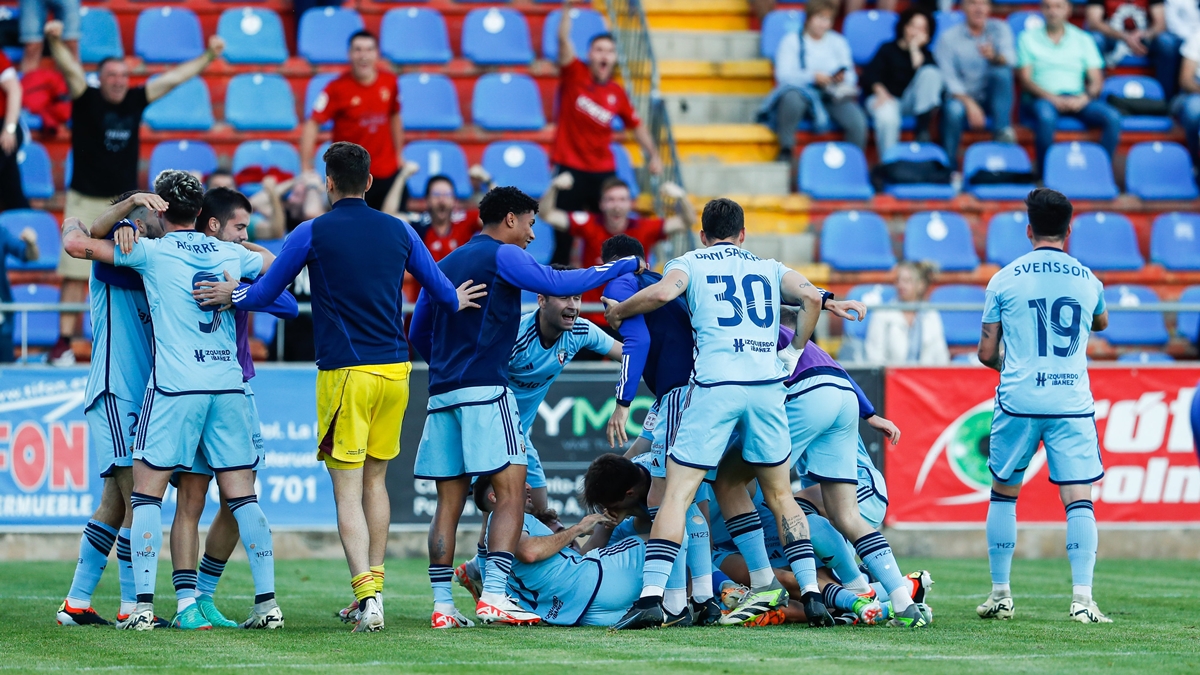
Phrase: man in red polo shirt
x=588 y=100
x=616 y=216
x=364 y=105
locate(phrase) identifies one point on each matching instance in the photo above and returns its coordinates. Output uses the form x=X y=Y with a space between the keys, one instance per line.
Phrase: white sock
x=184 y=603
x=1001 y=590
x=76 y=603
x=491 y=598
x=127 y=608
x=761 y=578
x=811 y=588
x=656 y=591
x=702 y=588
x=858 y=586
x=1081 y=593
x=444 y=607
x=675 y=600
x=900 y=599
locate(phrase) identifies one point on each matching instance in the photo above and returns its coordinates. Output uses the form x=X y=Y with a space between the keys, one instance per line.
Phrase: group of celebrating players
x=698 y=523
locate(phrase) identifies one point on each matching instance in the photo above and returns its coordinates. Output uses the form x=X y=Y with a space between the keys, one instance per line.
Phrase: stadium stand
x=522 y=164
x=775 y=25
x=37 y=174
x=522 y=107
x=1006 y=237
x=252 y=35
x=1175 y=241
x=1133 y=328
x=1104 y=242
x=323 y=35
x=856 y=241
x=1137 y=87
x=1160 y=170
x=870 y=294
x=625 y=169
x=496 y=36
x=962 y=328
x=99 y=35
x=429 y=102
x=1080 y=170
x=260 y=102
x=918 y=152
x=585 y=24
x=436 y=157
x=168 y=35
x=253 y=159
x=49 y=238
x=942 y=238
x=867 y=29
x=414 y=35
x=195 y=156
x=187 y=107
x=1187 y=325
x=40 y=329
x=834 y=171
x=312 y=90
x=997 y=158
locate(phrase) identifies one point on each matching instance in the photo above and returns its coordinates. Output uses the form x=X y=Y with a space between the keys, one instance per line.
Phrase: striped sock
x=803 y=563
x=147 y=531
x=747 y=534
x=94 y=546
x=440 y=577
x=660 y=558
x=834 y=595
x=377 y=572
x=1001 y=536
x=652 y=511
x=1082 y=541
x=256 y=539
x=499 y=568
x=185 y=588
x=125 y=573
x=209 y=574
x=876 y=554
x=363 y=586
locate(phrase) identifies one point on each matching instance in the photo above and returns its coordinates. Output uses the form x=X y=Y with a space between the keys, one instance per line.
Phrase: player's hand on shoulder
x=467 y=294
x=125 y=238
x=216 y=293
x=886 y=427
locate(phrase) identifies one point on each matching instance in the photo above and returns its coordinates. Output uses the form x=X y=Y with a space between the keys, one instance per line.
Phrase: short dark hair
x=501 y=201
x=218 y=172
x=722 y=219
x=479 y=493
x=907 y=15
x=107 y=60
x=619 y=246
x=364 y=33
x=607 y=480
x=613 y=182
x=349 y=165
x=602 y=36
x=220 y=203
x=183 y=193
x=436 y=178
x=1049 y=213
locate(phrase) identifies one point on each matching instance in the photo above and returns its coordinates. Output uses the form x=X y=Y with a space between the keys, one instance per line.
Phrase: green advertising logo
x=965 y=443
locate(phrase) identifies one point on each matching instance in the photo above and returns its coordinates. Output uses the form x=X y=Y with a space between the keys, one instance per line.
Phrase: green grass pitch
x=1154 y=605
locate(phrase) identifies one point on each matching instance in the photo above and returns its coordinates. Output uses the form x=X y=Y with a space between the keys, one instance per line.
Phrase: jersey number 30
x=1069 y=330
x=751 y=307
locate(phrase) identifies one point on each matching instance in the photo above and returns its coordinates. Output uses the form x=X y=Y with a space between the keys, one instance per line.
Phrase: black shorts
x=584 y=195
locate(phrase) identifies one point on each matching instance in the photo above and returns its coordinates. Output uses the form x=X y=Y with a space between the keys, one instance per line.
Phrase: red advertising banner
x=939 y=473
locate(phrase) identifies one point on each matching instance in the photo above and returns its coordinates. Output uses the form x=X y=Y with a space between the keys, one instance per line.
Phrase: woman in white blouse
x=895 y=337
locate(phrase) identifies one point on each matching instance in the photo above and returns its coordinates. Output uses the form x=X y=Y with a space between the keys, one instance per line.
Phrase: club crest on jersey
x=562 y=357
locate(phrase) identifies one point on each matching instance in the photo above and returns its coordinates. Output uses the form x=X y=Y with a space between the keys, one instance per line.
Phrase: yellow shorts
x=359 y=413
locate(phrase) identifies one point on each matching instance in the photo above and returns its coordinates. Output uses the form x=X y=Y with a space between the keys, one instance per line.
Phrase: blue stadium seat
x=195 y=156
x=522 y=107
x=918 y=152
x=541 y=248
x=1175 y=241
x=414 y=35
x=252 y=35
x=1145 y=357
x=997 y=157
x=1105 y=242
x=37 y=177
x=429 y=102
x=871 y=295
x=48 y=234
x=943 y=21
x=266 y=155
x=99 y=35
x=167 y=35
x=313 y=89
x=1133 y=328
x=1188 y=323
x=775 y=25
x=496 y=36
x=866 y=30
x=943 y=238
x=260 y=102
x=324 y=34
x=854 y=241
x=41 y=327
x=834 y=171
x=961 y=328
x=520 y=164
x=1160 y=170
x=585 y=25
x=1137 y=86
x=436 y=157
x=1025 y=19
x=1006 y=240
x=1080 y=170
x=69 y=167
x=625 y=168
x=319 y=158
x=187 y=107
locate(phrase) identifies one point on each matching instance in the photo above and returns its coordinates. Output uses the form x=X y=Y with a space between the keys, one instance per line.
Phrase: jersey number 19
x=1069 y=330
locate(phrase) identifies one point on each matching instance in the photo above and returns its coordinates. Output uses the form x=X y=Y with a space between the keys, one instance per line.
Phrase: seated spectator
x=897 y=337
x=1133 y=27
x=1060 y=74
x=1186 y=105
x=976 y=58
x=1183 y=22
x=903 y=80
x=814 y=79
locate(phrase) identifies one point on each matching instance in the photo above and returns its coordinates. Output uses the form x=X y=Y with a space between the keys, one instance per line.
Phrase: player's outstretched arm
x=989 y=345
x=420 y=330
x=532 y=549
x=796 y=289
x=515 y=266
x=259 y=296
x=421 y=265
x=673 y=284
x=79 y=244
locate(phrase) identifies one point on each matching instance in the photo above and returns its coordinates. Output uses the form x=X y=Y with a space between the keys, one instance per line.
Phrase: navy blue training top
x=658 y=345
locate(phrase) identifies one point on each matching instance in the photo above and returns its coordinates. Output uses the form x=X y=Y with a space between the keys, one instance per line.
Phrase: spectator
x=33 y=18
x=24 y=247
x=1060 y=74
x=364 y=105
x=815 y=79
x=1133 y=27
x=902 y=80
x=1183 y=22
x=104 y=142
x=1186 y=105
x=896 y=337
x=976 y=58
x=12 y=137
x=588 y=100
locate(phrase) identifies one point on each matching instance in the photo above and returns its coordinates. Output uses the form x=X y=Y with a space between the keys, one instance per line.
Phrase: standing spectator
x=976 y=58
x=588 y=100
x=12 y=195
x=903 y=80
x=814 y=78
x=364 y=105
x=1186 y=105
x=104 y=142
x=1133 y=27
x=24 y=247
x=1060 y=74
x=896 y=337
x=1183 y=22
x=33 y=18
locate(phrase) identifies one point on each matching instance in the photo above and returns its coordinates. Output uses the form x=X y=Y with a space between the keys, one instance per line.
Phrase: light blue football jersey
x=122 y=338
x=195 y=349
x=559 y=588
x=734 y=298
x=1044 y=302
x=533 y=368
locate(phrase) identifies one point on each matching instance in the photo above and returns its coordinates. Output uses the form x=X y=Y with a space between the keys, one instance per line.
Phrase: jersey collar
x=1050 y=248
